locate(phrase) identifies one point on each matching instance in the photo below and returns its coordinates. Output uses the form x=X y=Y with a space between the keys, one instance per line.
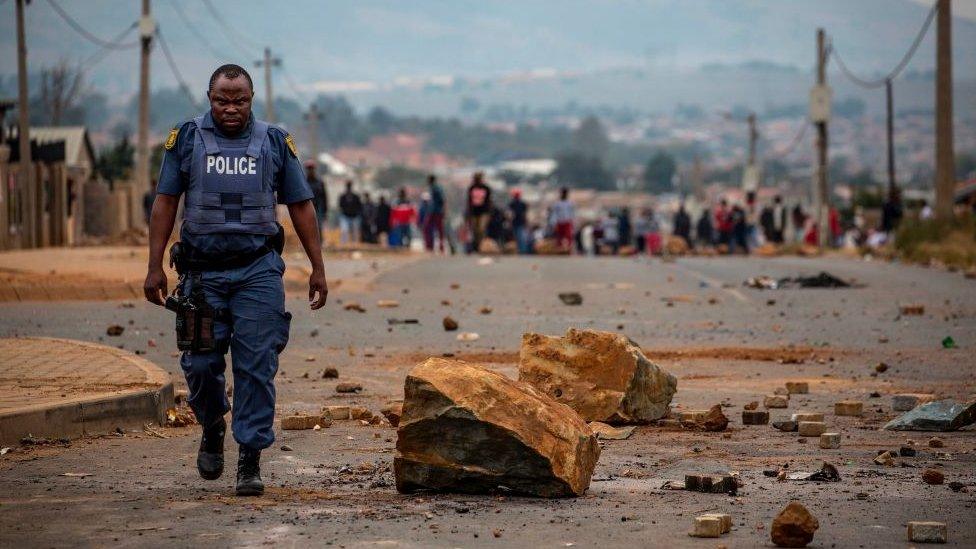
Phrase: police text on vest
x=241 y=165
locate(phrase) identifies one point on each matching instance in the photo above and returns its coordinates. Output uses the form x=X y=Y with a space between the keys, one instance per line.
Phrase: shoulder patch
x=291 y=145
x=171 y=140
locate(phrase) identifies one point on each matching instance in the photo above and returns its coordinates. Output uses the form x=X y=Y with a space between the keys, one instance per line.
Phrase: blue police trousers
x=257 y=332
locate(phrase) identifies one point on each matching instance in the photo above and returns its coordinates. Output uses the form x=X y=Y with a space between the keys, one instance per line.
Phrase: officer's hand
x=155 y=286
x=317 y=285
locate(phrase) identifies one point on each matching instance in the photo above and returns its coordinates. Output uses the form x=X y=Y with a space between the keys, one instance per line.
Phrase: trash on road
x=947 y=342
x=602 y=375
x=387 y=303
x=180 y=417
x=468 y=336
x=398 y=321
x=527 y=442
x=794 y=526
x=821 y=280
x=827 y=473
x=940 y=415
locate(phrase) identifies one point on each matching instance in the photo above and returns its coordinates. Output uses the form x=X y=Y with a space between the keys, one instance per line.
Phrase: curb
x=75 y=417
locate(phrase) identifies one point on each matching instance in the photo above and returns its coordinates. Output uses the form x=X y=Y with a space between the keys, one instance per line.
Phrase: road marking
x=710 y=281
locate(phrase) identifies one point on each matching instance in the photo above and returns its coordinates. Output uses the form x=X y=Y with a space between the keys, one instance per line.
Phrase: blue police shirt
x=289 y=184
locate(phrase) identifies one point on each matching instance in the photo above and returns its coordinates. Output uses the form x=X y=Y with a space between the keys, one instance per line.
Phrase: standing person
x=320 y=198
x=231 y=169
x=652 y=240
x=611 y=233
x=799 y=220
x=704 y=231
x=520 y=222
x=434 y=222
x=626 y=229
x=682 y=225
x=891 y=212
x=563 y=214
x=739 y=236
x=926 y=212
x=383 y=212
x=350 y=208
x=402 y=215
x=724 y=223
x=368 y=220
x=779 y=220
x=478 y=209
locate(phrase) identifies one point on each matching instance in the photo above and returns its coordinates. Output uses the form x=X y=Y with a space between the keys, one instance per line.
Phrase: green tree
x=590 y=138
x=115 y=163
x=659 y=171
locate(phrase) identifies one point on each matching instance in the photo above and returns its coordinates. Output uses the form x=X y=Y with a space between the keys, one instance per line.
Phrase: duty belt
x=186 y=259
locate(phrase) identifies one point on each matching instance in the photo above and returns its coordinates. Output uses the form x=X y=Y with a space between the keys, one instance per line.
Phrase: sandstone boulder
x=603 y=376
x=794 y=526
x=468 y=429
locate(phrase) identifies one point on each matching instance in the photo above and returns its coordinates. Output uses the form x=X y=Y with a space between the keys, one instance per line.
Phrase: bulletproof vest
x=230 y=189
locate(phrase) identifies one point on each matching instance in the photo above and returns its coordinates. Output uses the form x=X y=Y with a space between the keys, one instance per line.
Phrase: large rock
x=941 y=415
x=468 y=429
x=603 y=376
x=794 y=526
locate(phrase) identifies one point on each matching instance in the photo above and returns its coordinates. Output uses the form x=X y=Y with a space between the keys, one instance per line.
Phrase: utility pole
x=267 y=63
x=945 y=160
x=750 y=176
x=820 y=115
x=28 y=208
x=753 y=137
x=313 y=117
x=892 y=186
x=147 y=28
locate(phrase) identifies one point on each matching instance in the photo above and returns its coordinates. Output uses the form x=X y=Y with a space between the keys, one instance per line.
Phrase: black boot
x=249 y=481
x=210 y=458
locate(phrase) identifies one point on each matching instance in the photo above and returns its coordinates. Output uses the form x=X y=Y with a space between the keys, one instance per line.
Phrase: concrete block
x=807 y=416
x=707 y=527
x=755 y=417
x=798 y=387
x=811 y=428
x=776 y=401
x=299 y=422
x=338 y=412
x=359 y=412
x=849 y=408
x=787 y=426
x=725 y=518
x=693 y=416
x=907 y=401
x=928 y=532
x=830 y=441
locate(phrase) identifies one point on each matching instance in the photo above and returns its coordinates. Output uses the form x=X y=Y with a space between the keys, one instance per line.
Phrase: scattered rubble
x=936 y=442
x=330 y=373
x=449 y=324
x=348 y=387
x=811 y=428
x=827 y=473
x=609 y=432
x=886 y=459
x=337 y=412
x=785 y=425
x=830 y=441
x=797 y=387
x=933 y=476
x=914 y=309
x=114 y=330
x=822 y=280
x=713 y=419
x=180 y=416
x=387 y=303
x=940 y=415
x=602 y=375
x=571 y=298
x=354 y=307
x=725 y=484
x=755 y=417
x=794 y=526
x=468 y=336
x=392 y=412
x=776 y=401
x=712 y=525
x=849 y=408
x=526 y=442
x=904 y=402
x=928 y=532
x=297 y=422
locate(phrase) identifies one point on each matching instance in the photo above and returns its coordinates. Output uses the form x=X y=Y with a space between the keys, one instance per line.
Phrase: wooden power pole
x=892 y=185
x=313 y=117
x=820 y=114
x=30 y=228
x=147 y=28
x=267 y=63
x=945 y=162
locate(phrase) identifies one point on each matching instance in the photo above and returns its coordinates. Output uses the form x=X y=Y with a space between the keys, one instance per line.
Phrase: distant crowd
x=490 y=224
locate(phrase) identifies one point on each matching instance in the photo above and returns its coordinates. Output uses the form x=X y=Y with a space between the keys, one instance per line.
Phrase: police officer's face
x=230 y=103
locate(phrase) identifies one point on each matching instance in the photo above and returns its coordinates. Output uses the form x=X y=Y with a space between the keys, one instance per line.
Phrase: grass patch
x=950 y=242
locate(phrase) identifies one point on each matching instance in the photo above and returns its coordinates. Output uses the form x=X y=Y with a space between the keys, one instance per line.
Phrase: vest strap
x=208 y=137
x=259 y=131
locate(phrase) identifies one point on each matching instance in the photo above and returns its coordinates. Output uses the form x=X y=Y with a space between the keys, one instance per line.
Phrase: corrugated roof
x=77 y=147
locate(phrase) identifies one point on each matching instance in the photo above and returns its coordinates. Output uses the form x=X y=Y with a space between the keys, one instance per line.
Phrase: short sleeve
x=175 y=170
x=292 y=186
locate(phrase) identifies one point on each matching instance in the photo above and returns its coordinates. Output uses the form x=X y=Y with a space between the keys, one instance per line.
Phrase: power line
x=176 y=71
x=792 y=146
x=871 y=84
x=85 y=34
x=294 y=87
x=175 y=4
x=238 y=40
x=102 y=53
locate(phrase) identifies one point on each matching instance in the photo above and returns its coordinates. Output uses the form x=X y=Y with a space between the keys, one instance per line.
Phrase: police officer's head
x=231 y=93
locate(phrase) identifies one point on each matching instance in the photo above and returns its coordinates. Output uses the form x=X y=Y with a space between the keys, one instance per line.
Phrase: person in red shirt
x=478 y=209
x=402 y=216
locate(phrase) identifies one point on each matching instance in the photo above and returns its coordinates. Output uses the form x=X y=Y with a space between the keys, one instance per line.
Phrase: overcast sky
x=960 y=8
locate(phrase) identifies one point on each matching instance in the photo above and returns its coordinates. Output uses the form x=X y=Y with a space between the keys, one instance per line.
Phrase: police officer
x=232 y=169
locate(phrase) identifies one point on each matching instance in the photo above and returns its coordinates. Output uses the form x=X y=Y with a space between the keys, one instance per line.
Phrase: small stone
x=830 y=441
x=392 y=412
x=811 y=428
x=907 y=451
x=928 y=532
x=359 y=412
x=794 y=526
x=936 y=442
x=781 y=391
x=787 y=426
x=807 y=416
x=881 y=367
x=485 y=310
x=755 y=417
x=776 y=401
x=387 y=303
x=450 y=324
x=912 y=310
x=933 y=476
x=286 y=448
x=904 y=402
x=571 y=298
x=354 y=307
x=114 y=330
x=751 y=406
x=849 y=408
x=348 y=387
x=330 y=373
x=798 y=387
x=707 y=527
x=885 y=458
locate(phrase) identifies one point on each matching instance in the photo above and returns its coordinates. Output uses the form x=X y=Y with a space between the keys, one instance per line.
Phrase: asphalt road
x=335 y=486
